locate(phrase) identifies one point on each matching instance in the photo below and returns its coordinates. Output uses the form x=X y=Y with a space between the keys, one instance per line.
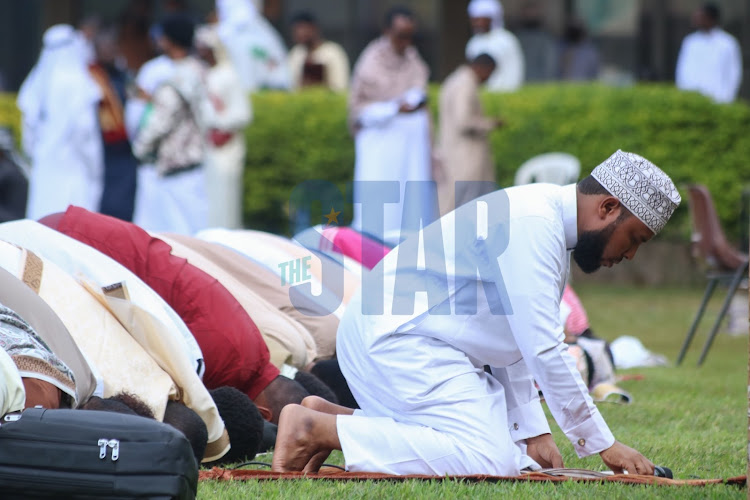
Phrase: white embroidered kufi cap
x=642 y=187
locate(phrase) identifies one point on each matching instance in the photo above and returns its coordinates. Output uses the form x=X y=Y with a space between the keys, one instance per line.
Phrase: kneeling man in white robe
x=443 y=369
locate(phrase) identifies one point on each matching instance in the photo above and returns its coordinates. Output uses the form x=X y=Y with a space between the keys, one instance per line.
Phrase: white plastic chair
x=552 y=168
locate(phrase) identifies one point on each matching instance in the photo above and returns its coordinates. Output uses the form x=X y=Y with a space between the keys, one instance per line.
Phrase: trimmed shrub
x=10 y=116
x=690 y=137
x=303 y=136
x=294 y=138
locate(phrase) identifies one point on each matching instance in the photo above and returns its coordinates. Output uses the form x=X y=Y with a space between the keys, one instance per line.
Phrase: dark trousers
x=118 y=197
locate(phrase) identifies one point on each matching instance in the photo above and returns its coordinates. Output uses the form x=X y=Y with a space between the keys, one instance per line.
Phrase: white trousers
x=53 y=185
x=425 y=409
x=174 y=204
x=398 y=151
x=224 y=184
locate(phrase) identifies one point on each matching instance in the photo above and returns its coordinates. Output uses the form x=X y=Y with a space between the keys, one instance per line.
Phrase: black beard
x=590 y=248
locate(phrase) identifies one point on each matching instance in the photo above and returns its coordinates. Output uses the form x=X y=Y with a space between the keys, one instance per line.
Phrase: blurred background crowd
x=164 y=84
x=636 y=40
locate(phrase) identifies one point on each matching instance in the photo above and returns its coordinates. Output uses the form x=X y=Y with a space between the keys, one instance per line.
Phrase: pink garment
x=381 y=74
x=577 y=321
x=349 y=242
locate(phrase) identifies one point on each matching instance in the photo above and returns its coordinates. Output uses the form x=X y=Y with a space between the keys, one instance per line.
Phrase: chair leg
x=691 y=333
x=736 y=280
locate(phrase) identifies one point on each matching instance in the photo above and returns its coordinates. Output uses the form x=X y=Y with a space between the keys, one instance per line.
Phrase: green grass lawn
x=693 y=420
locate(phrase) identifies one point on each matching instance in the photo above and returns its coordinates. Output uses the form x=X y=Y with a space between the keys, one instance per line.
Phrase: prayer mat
x=578 y=475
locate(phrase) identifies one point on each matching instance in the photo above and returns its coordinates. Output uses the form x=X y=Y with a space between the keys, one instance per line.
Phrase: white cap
x=492 y=9
x=642 y=187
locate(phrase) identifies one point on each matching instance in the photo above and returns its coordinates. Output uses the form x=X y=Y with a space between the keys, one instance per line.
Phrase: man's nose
x=631 y=253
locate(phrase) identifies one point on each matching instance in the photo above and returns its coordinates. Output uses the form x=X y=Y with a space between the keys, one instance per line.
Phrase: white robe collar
x=570 y=215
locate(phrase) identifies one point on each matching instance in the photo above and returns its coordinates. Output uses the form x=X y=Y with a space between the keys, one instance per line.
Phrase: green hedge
x=293 y=138
x=303 y=136
x=10 y=116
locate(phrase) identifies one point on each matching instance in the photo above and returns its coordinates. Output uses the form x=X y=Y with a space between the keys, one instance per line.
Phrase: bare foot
x=303 y=433
x=319 y=404
x=313 y=466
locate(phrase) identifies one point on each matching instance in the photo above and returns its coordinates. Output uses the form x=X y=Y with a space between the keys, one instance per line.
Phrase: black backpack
x=94 y=454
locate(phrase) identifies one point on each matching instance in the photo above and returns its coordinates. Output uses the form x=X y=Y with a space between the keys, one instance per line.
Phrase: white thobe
x=258 y=53
x=392 y=146
x=506 y=50
x=225 y=163
x=427 y=404
x=59 y=101
x=67 y=163
x=710 y=63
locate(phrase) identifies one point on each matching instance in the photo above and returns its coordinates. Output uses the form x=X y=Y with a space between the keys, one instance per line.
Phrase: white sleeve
x=565 y=311
x=378 y=114
x=235 y=112
x=134 y=109
x=733 y=76
x=526 y=418
x=681 y=72
x=514 y=64
x=536 y=327
x=338 y=70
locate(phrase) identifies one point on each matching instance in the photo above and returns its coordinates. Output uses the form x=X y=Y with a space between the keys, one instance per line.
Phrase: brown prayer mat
x=555 y=476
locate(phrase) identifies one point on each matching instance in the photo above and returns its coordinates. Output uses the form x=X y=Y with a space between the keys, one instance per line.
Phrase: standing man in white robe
x=490 y=37
x=445 y=378
x=173 y=198
x=226 y=113
x=710 y=61
x=256 y=48
x=391 y=125
x=59 y=102
x=150 y=77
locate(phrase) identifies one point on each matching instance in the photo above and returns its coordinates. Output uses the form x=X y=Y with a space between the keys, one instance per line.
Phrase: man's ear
x=609 y=207
x=266 y=413
x=92 y=402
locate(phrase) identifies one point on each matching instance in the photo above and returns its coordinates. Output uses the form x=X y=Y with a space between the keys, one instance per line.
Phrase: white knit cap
x=492 y=9
x=642 y=187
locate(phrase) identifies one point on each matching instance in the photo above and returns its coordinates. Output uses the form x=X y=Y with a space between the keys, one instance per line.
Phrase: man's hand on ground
x=543 y=450
x=619 y=457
